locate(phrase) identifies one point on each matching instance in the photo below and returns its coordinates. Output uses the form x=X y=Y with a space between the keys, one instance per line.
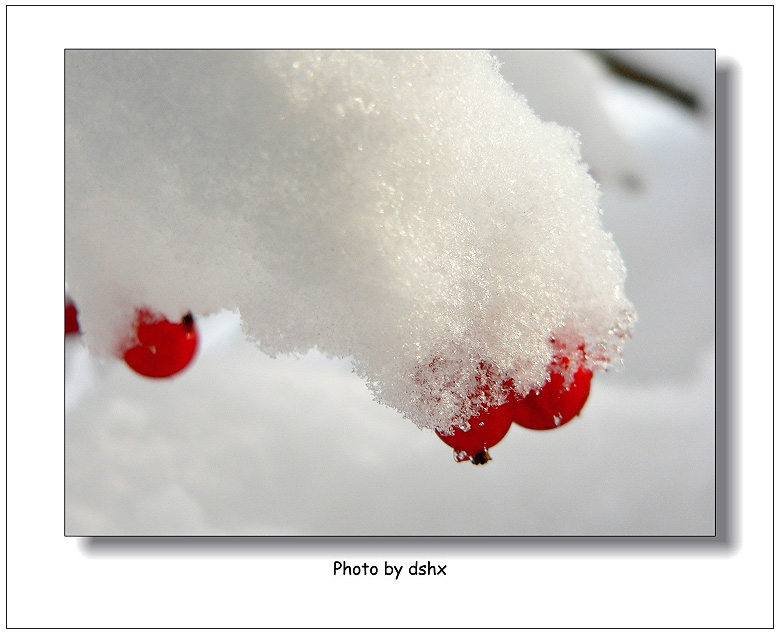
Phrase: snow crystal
x=406 y=209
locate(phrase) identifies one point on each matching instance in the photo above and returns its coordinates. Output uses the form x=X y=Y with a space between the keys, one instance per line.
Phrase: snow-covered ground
x=245 y=444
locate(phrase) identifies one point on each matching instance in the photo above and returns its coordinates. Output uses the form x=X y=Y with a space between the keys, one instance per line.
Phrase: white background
x=55 y=581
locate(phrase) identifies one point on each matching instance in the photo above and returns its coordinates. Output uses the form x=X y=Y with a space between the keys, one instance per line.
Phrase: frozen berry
x=486 y=430
x=71 y=318
x=161 y=348
x=554 y=404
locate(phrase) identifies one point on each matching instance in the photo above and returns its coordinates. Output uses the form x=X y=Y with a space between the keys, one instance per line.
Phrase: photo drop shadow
x=725 y=538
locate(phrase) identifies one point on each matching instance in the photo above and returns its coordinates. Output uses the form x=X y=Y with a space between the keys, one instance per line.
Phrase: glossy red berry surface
x=487 y=429
x=71 y=318
x=554 y=404
x=161 y=348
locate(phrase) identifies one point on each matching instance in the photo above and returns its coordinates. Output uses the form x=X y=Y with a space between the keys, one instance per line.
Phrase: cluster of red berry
x=552 y=406
x=159 y=349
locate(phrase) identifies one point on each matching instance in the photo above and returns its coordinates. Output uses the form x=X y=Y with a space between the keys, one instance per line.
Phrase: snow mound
x=406 y=209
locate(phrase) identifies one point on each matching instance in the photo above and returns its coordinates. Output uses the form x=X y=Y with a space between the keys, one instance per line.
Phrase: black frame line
x=724 y=387
x=723 y=493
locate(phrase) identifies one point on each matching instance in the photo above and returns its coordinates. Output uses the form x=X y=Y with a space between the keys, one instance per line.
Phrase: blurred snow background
x=245 y=444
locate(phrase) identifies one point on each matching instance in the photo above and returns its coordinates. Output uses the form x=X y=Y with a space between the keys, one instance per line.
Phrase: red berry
x=161 y=348
x=487 y=429
x=71 y=318
x=554 y=404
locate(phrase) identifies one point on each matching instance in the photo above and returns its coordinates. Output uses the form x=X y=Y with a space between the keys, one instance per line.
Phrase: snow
x=404 y=209
x=247 y=444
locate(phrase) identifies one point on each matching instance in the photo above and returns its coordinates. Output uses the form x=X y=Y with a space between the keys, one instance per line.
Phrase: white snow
x=247 y=444
x=403 y=209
